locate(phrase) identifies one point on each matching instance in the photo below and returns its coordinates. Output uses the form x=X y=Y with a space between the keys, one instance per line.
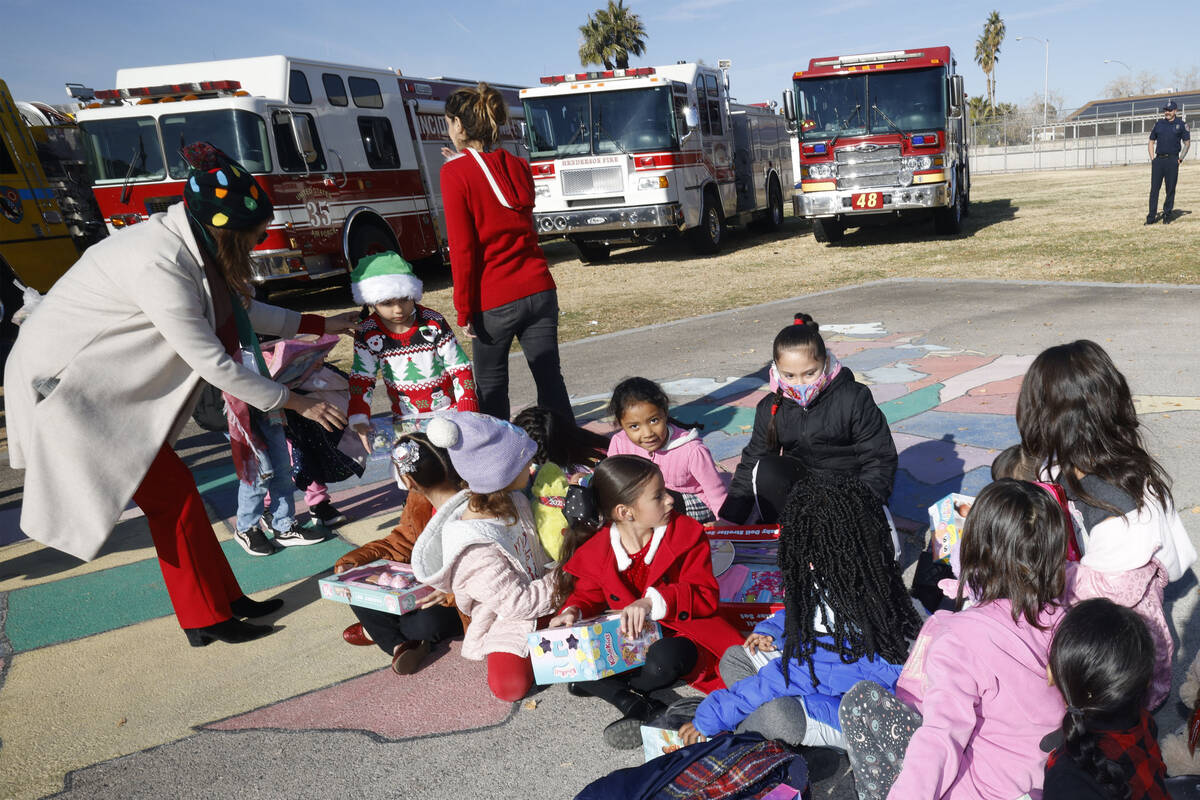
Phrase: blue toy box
x=587 y=651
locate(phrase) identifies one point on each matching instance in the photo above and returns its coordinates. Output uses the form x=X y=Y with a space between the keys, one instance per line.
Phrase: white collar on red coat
x=623 y=559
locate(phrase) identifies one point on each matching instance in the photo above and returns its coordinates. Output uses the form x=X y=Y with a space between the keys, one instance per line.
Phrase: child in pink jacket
x=641 y=407
x=972 y=703
x=488 y=554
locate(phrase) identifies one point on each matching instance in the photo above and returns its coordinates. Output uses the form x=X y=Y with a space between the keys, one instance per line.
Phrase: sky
x=506 y=41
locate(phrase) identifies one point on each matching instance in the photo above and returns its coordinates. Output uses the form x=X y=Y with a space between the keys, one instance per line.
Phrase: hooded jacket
x=494 y=253
x=686 y=463
x=842 y=430
x=496 y=572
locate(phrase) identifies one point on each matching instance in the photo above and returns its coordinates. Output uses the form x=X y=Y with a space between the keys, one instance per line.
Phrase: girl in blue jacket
x=847 y=617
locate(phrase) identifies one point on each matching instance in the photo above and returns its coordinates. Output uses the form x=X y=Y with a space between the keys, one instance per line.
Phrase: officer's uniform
x=1169 y=138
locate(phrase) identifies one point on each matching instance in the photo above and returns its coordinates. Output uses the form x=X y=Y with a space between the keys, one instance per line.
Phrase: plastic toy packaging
x=382 y=585
x=946 y=519
x=380 y=438
x=744 y=562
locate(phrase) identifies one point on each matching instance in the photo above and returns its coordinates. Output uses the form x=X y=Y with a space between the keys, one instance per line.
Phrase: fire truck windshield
x=629 y=120
x=241 y=134
x=853 y=105
x=123 y=148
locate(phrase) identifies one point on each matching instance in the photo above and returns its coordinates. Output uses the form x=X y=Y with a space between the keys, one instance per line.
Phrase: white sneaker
x=298 y=536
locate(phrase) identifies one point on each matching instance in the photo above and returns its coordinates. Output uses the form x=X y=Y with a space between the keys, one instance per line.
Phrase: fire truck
x=350 y=156
x=880 y=136
x=632 y=155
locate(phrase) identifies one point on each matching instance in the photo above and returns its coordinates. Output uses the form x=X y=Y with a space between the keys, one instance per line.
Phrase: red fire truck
x=880 y=136
x=350 y=156
x=633 y=155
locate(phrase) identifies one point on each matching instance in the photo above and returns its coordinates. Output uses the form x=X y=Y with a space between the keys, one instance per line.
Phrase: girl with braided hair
x=818 y=418
x=1102 y=660
x=847 y=617
x=972 y=703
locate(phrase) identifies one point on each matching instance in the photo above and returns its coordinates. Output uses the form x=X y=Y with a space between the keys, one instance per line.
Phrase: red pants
x=194 y=567
x=509 y=677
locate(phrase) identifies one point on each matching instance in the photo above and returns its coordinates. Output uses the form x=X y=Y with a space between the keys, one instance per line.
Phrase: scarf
x=805 y=393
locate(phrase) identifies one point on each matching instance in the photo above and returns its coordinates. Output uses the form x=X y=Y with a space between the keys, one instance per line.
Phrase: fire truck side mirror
x=956 y=96
x=789 y=109
x=302 y=136
x=691 y=117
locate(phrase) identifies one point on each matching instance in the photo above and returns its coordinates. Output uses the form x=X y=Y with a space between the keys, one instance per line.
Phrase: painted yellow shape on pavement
x=1160 y=403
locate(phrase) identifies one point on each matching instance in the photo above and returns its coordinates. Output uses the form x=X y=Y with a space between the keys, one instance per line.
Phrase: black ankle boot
x=231 y=631
x=638 y=708
x=245 y=607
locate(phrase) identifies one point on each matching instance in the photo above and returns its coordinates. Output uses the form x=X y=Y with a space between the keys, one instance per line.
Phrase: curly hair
x=498 y=505
x=560 y=441
x=1076 y=412
x=838 y=564
x=1014 y=547
x=803 y=334
x=1102 y=660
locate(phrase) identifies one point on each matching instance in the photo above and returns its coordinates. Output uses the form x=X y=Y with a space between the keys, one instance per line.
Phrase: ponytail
x=481 y=111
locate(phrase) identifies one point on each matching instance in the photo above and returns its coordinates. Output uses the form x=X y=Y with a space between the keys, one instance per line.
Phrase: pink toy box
x=745 y=562
x=382 y=585
x=587 y=651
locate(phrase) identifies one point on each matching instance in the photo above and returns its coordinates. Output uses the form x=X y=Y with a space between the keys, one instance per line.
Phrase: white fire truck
x=350 y=156
x=631 y=155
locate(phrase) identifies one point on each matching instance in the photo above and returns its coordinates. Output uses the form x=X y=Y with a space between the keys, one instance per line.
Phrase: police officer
x=1169 y=143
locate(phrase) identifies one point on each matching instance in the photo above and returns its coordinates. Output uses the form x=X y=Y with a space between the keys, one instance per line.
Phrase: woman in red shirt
x=502 y=285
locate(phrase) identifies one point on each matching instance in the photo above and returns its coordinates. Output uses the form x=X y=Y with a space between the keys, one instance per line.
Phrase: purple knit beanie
x=488 y=453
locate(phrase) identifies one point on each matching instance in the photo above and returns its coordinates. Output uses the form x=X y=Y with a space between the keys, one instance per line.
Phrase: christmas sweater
x=424 y=368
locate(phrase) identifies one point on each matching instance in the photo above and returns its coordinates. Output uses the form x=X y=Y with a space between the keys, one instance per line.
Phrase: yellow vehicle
x=37 y=244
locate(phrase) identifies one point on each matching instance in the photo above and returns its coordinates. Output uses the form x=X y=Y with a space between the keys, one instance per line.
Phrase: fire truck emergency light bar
x=868 y=58
x=168 y=90
x=591 y=76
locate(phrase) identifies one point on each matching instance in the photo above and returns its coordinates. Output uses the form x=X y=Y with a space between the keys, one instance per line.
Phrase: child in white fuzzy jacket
x=490 y=557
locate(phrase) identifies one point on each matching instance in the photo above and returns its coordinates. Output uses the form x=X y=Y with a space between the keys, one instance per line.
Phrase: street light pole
x=1117 y=61
x=1045 y=76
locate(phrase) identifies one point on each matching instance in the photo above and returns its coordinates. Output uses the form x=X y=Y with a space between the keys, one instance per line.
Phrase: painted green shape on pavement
x=729 y=419
x=911 y=404
x=85 y=605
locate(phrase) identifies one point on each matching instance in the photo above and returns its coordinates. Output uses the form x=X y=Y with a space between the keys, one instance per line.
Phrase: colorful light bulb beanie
x=220 y=192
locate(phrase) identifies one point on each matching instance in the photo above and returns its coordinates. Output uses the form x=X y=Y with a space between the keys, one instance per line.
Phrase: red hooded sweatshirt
x=494 y=253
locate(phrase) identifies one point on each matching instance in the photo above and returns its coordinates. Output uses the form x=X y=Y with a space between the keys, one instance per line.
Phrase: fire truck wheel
x=593 y=252
x=10 y=300
x=369 y=238
x=709 y=235
x=828 y=230
x=948 y=221
x=774 y=216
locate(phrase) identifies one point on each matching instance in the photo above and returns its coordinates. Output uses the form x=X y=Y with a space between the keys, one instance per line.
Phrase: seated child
x=488 y=554
x=1101 y=660
x=425 y=472
x=423 y=366
x=566 y=452
x=972 y=703
x=1178 y=750
x=847 y=618
x=637 y=555
x=641 y=408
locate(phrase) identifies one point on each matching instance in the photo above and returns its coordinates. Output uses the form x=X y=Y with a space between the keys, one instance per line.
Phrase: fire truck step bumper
x=595 y=220
x=897 y=198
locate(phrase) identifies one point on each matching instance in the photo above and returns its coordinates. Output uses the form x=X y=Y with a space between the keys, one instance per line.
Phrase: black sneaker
x=254 y=542
x=325 y=513
x=298 y=536
x=1166 y=218
x=1151 y=220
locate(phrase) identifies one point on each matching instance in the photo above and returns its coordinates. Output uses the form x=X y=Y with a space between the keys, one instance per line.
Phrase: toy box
x=587 y=651
x=946 y=519
x=744 y=559
x=382 y=585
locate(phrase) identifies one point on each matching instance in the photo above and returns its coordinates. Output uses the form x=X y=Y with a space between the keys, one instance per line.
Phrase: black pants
x=533 y=321
x=422 y=624
x=774 y=478
x=667 y=660
x=1163 y=169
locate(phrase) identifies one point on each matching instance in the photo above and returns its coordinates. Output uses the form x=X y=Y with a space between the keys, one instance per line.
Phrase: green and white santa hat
x=384 y=276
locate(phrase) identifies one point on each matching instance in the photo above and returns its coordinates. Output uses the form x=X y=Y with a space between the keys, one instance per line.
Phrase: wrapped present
x=744 y=559
x=589 y=650
x=382 y=585
x=946 y=519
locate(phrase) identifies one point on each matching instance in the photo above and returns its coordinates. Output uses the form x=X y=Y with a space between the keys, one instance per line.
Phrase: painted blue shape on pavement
x=995 y=431
x=874 y=358
x=912 y=498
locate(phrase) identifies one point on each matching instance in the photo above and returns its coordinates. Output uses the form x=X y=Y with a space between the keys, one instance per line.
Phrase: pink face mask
x=805 y=393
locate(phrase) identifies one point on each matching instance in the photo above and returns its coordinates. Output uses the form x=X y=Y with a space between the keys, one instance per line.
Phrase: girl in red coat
x=640 y=556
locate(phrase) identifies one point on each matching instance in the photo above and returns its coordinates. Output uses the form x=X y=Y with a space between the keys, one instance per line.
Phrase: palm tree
x=611 y=36
x=987 y=52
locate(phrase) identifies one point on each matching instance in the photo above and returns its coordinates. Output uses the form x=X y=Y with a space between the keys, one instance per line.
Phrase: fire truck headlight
x=658 y=182
x=916 y=162
x=906 y=177
x=820 y=171
x=541 y=190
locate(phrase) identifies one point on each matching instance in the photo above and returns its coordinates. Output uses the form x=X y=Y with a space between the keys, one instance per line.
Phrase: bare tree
x=1186 y=78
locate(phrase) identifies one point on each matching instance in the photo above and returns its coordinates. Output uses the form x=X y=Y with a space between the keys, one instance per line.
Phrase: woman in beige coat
x=107 y=368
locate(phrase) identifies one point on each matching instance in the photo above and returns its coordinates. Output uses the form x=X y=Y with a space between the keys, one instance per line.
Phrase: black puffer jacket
x=842 y=430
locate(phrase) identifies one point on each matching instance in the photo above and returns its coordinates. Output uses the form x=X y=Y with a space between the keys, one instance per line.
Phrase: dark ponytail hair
x=632 y=391
x=836 y=557
x=804 y=333
x=481 y=111
x=618 y=480
x=1102 y=660
x=559 y=440
x=433 y=467
x=1076 y=412
x=1014 y=547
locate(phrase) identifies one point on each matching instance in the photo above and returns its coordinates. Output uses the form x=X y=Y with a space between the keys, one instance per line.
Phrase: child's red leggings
x=509 y=677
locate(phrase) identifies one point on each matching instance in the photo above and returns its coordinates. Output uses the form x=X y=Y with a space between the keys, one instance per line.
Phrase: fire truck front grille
x=866 y=168
x=157 y=204
x=607 y=180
